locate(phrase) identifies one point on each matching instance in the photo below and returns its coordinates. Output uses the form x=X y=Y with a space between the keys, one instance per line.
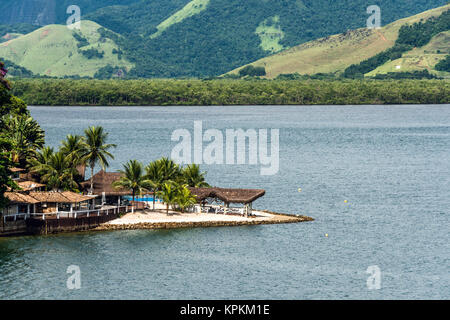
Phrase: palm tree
x=169 y=170
x=56 y=170
x=25 y=135
x=39 y=164
x=74 y=146
x=185 y=198
x=168 y=193
x=43 y=156
x=193 y=177
x=133 y=178
x=96 y=150
x=153 y=175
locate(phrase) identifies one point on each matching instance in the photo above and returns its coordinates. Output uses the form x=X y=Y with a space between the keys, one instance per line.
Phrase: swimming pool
x=142 y=199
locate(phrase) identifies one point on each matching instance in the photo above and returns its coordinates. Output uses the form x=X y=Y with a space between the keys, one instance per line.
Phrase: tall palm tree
x=154 y=175
x=169 y=170
x=25 y=135
x=185 y=198
x=56 y=170
x=133 y=178
x=169 y=193
x=96 y=150
x=193 y=177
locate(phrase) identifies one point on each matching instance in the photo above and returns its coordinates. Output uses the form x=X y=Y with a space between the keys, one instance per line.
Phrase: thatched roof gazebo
x=228 y=195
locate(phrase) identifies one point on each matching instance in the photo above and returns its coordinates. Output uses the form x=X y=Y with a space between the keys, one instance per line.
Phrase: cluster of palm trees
x=165 y=179
x=58 y=169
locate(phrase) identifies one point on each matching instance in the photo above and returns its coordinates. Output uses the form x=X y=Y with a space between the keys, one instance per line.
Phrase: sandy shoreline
x=148 y=219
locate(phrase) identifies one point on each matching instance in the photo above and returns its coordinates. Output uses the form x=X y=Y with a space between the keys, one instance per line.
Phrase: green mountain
x=67 y=52
x=334 y=54
x=185 y=38
x=44 y=12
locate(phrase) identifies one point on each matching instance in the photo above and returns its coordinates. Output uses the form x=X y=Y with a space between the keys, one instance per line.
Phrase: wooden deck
x=39 y=223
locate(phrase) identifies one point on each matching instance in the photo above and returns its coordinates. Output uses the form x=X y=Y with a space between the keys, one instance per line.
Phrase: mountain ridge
x=335 y=53
x=204 y=38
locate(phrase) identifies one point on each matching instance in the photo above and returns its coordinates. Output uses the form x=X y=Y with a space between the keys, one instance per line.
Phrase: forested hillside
x=416 y=43
x=43 y=12
x=184 y=38
x=412 y=36
x=231 y=33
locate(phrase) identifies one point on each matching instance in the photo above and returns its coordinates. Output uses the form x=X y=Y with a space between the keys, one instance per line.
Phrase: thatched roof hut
x=29 y=185
x=243 y=196
x=103 y=184
x=20 y=198
x=60 y=197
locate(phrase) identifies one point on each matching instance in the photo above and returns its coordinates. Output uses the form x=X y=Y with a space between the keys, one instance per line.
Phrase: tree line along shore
x=190 y=92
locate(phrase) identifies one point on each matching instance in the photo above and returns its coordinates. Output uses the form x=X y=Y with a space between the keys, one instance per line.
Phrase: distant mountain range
x=334 y=54
x=178 y=38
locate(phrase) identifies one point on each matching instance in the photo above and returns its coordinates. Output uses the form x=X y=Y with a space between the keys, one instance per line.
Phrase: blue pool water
x=142 y=199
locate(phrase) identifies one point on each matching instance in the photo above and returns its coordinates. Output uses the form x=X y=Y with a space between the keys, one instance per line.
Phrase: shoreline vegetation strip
x=69 y=92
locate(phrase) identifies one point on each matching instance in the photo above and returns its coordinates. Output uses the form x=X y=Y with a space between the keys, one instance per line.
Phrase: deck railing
x=69 y=214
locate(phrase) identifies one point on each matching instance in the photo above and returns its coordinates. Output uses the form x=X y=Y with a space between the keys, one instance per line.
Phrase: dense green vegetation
x=229 y=92
x=405 y=75
x=92 y=53
x=410 y=36
x=418 y=75
x=82 y=41
x=223 y=36
x=444 y=65
x=109 y=71
x=48 y=11
x=17 y=71
x=17 y=133
x=252 y=71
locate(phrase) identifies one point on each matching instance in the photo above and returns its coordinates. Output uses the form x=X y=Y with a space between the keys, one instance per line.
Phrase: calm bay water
x=392 y=164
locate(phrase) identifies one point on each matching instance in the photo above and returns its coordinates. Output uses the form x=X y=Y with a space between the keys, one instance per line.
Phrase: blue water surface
x=391 y=164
